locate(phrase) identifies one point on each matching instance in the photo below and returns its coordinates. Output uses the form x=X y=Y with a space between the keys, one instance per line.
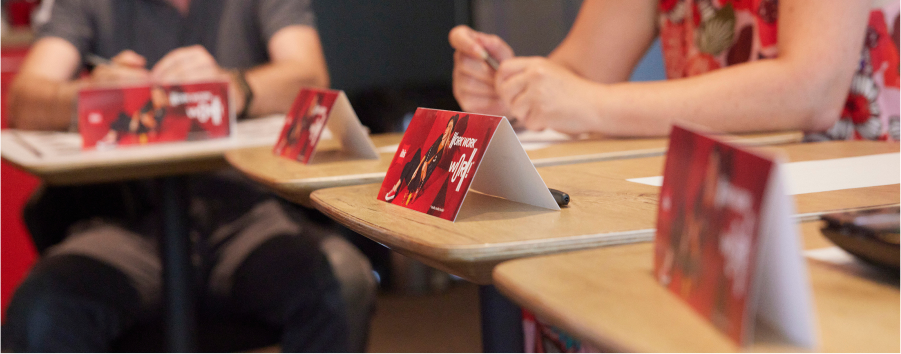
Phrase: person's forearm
x=36 y=103
x=276 y=85
x=762 y=96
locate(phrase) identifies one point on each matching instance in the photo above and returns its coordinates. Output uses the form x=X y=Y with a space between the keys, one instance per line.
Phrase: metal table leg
x=501 y=322
x=178 y=272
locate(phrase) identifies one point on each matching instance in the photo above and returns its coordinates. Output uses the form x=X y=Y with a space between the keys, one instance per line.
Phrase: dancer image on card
x=420 y=168
x=304 y=130
x=695 y=227
x=315 y=123
x=145 y=122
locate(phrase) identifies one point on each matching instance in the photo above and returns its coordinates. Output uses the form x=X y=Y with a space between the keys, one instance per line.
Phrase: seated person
x=732 y=66
x=255 y=261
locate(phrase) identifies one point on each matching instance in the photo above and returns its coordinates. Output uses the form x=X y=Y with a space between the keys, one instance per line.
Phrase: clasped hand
x=538 y=92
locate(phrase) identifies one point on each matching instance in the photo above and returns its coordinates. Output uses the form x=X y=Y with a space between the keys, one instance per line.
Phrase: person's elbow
x=821 y=97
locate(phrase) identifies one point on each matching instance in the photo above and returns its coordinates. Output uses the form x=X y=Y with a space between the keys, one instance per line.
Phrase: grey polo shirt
x=235 y=32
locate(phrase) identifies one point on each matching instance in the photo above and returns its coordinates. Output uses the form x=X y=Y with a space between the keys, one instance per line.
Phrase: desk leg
x=178 y=285
x=501 y=322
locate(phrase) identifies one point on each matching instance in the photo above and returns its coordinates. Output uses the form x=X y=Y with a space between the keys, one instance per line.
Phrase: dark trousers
x=257 y=268
x=74 y=303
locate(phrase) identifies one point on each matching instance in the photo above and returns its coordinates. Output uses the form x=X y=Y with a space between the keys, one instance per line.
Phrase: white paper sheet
x=832 y=255
x=830 y=175
x=36 y=148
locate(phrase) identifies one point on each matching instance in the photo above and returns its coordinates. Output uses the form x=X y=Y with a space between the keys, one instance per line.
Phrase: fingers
x=519 y=83
x=473 y=75
x=129 y=58
x=463 y=39
x=495 y=46
x=473 y=85
x=117 y=74
x=185 y=64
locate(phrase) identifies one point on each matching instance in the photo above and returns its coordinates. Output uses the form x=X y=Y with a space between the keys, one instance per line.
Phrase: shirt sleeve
x=71 y=21
x=277 y=14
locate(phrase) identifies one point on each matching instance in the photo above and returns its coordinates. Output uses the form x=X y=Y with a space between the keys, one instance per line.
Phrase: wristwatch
x=245 y=89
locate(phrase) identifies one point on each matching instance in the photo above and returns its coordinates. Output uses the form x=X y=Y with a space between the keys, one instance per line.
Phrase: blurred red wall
x=17 y=253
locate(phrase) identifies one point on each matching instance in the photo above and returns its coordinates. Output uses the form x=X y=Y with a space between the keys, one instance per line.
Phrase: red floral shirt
x=699 y=36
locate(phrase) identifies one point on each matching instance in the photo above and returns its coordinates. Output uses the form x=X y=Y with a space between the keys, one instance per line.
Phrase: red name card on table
x=726 y=242
x=144 y=114
x=314 y=110
x=444 y=154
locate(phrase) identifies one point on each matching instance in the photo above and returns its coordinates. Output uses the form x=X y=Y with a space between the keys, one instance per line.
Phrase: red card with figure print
x=726 y=242
x=444 y=154
x=144 y=114
x=314 y=110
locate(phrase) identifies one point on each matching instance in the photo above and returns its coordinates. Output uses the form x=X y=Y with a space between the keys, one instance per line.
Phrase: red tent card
x=144 y=114
x=726 y=243
x=314 y=110
x=444 y=154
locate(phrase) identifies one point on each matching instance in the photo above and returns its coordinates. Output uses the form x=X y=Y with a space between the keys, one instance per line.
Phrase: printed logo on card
x=314 y=110
x=710 y=228
x=109 y=117
x=439 y=157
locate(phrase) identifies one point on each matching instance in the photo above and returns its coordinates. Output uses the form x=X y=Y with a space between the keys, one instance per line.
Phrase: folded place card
x=444 y=154
x=726 y=243
x=151 y=113
x=314 y=110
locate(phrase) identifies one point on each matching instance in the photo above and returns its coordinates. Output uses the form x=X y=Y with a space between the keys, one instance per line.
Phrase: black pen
x=560 y=197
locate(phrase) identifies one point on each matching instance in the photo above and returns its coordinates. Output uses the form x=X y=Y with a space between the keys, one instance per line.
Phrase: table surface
x=295 y=181
x=609 y=298
x=57 y=157
x=605 y=209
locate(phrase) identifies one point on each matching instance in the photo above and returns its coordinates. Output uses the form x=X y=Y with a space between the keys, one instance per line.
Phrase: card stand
x=507 y=172
x=727 y=243
x=474 y=152
x=314 y=109
x=781 y=298
x=114 y=116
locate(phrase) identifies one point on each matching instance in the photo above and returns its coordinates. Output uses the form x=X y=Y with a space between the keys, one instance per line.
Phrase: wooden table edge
x=503 y=285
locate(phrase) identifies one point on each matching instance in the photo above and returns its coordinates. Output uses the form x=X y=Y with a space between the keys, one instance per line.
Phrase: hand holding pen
x=474 y=75
x=125 y=66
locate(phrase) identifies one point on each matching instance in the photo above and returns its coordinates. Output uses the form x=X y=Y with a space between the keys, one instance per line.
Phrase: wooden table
x=57 y=158
x=295 y=181
x=609 y=298
x=605 y=210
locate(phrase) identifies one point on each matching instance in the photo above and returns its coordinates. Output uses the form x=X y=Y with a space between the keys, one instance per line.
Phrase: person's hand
x=125 y=66
x=543 y=94
x=473 y=78
x=195 y=63
x=187 y=64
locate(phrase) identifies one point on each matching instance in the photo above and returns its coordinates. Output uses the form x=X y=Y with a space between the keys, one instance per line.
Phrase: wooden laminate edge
x=601 y=342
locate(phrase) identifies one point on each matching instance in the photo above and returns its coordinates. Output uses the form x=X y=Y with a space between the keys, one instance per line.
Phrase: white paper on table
x=41 y=148
x=830 y=175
